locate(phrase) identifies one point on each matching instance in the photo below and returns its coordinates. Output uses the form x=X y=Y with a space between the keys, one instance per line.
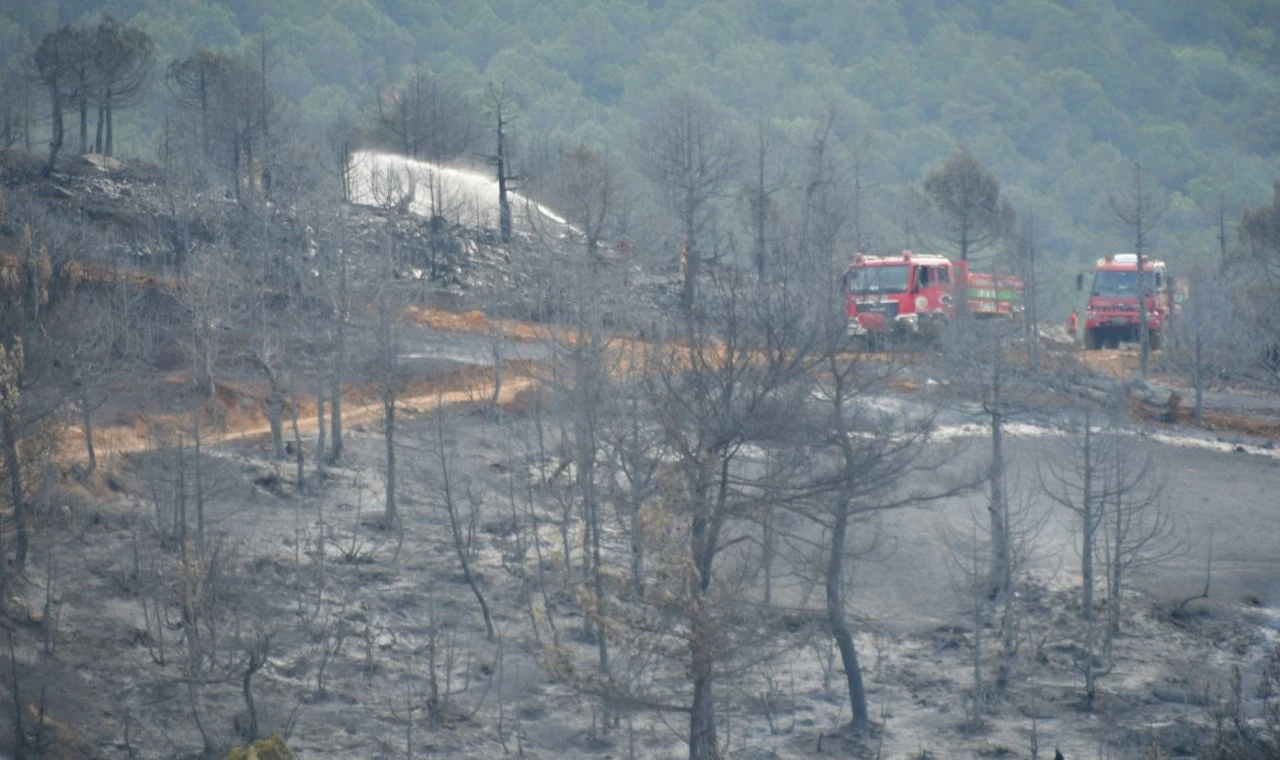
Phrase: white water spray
x=459 y=195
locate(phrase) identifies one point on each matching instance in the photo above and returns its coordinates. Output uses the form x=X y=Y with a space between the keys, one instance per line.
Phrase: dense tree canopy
x=1057 y=99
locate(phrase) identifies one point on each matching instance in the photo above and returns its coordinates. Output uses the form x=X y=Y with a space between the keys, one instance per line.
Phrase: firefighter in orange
x=1073 y=323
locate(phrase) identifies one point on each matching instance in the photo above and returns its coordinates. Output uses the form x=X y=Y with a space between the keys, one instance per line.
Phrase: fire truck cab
x=911 y=294
x=1112 y=316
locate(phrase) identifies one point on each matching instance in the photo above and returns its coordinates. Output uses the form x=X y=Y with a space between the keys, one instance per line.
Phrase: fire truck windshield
x=883 y=278
x=1107 y=282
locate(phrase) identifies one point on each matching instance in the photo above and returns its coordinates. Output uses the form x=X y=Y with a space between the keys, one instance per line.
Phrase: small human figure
x=1073 y=323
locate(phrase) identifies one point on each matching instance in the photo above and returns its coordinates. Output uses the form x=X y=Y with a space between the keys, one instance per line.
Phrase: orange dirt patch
x=476 y=322
x=1260 y=427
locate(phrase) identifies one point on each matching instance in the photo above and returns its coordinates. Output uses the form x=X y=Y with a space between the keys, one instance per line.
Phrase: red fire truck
x=915 y=293
x=1112 y=317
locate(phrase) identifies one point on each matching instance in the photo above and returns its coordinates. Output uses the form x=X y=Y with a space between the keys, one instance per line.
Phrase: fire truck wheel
x=1153 y=338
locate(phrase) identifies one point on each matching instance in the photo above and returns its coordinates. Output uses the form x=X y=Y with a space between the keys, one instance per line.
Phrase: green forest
x=1057 y=98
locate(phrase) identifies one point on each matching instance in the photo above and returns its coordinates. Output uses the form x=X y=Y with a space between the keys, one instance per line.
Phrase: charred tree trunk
x=84 y=125
x=335 y=397
x=703 y=743
x=110 y=146
x=86 y=420
x=320 y=441
x=12 y=466
x=1001 y=561
x=839 y=625
x=57 y=130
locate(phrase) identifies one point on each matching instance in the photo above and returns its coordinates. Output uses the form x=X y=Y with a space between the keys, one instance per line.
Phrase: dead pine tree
x=768 y=177
x=1138 y=211
x=1138 y=528
x=1081 y=481
x=1214 y=342
x=968 y=561
x=447 y=495
x=688 y=154
x=714 y=393
x=502 y=109
x=581 y=387
x=863 y=457
x=388 y=377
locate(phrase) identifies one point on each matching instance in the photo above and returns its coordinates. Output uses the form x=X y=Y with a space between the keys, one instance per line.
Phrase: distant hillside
x=1056 y=98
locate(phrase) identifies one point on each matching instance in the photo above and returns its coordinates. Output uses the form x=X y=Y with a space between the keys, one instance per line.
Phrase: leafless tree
x=267 y=353
x=1024 y=249
x=873 y=453
x=633 y=453
x=1257 y=270
x=426 y=117
x=586 y=189
x=715 y=395
x=828 y=205
x=502 y=109
x=864 y=181
x=1138 y=528
x=389 y=378
x=580 y=387
x=1213 y=343
x=236 y=106
x=912 y=214
x=335 y=283
x=449 y=493
x=1024 y=522
x=976 y=359
x=1081 y=482
x=970 y=580
x=12 y=365
x=13 y=117
x=862 y=458
x=1139 y=211
x=37 y=288
x=210 y=295
x=687 y=153
x=106 y=336
x=768 y=177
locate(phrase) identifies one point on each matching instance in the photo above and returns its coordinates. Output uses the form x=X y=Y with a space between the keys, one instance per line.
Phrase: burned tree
x=1082 y=485
x=586 y=187
x=766 y=180
x=235 y=105
x=61 y=60
x=1214 y=342
x=1258 y=270
x=871 y=453
x=967 y=195
x=690 y=157
x=195 y=82
x=426 y=117
x=122 y=62
x=502 y=108
x=1138 y=212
